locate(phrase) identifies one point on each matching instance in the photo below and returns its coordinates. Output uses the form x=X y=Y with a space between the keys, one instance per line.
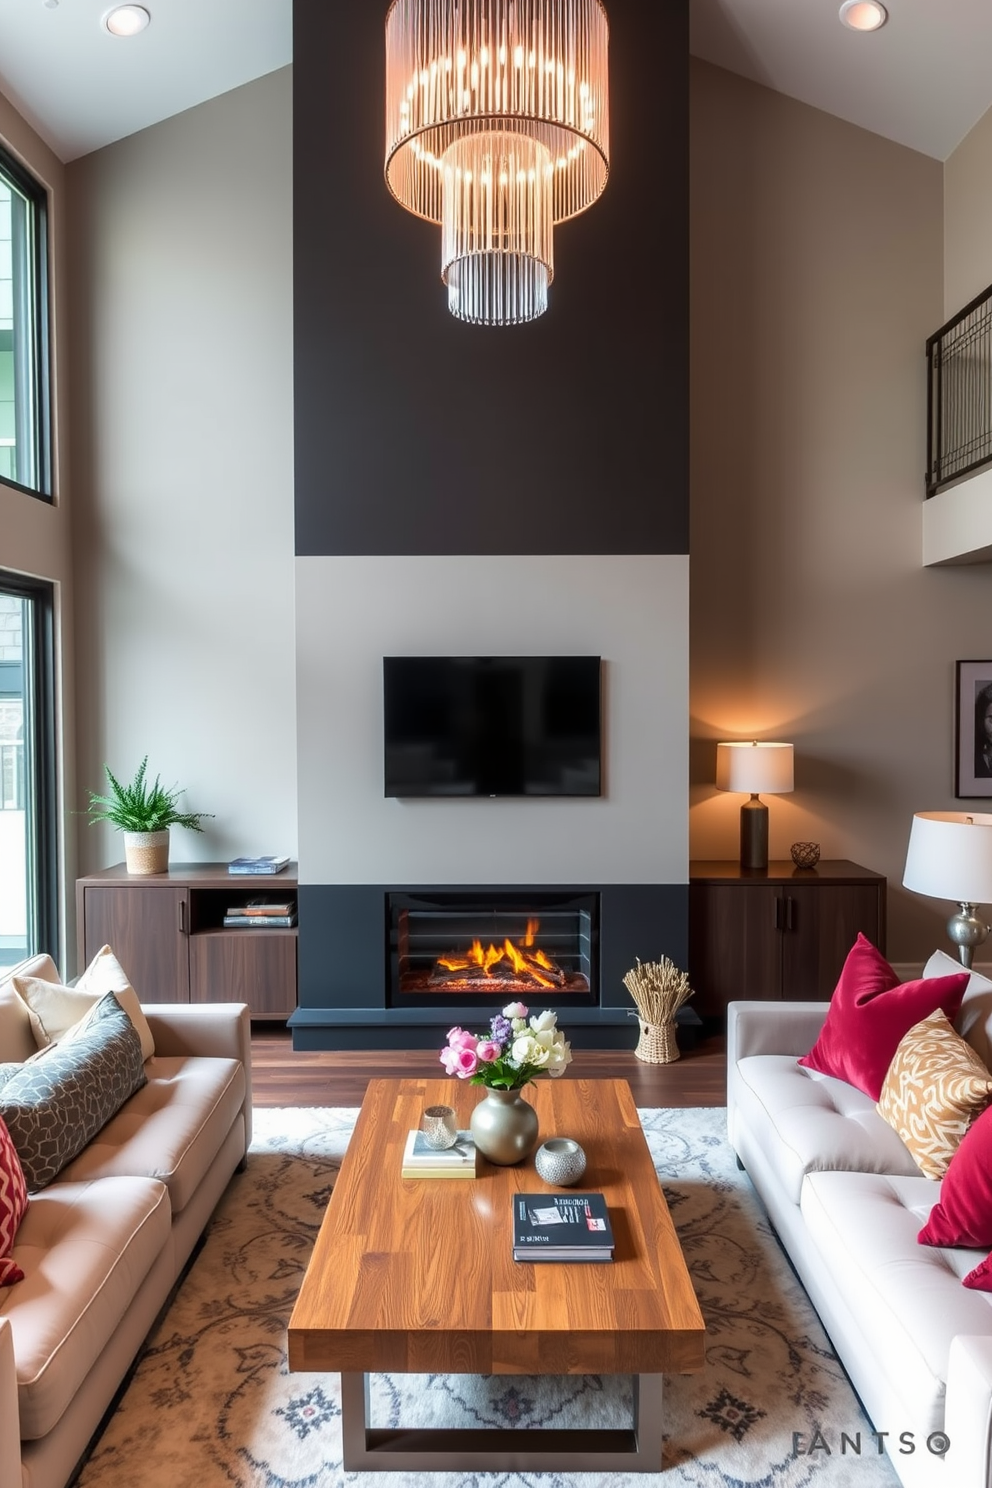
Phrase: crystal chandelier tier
x=497 y=127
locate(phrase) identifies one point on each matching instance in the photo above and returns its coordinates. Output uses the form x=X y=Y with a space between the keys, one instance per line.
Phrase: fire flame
x=524 y=962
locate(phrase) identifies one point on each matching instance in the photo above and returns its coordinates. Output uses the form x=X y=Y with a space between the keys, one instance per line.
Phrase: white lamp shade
x=759 y=769
x=950 y=856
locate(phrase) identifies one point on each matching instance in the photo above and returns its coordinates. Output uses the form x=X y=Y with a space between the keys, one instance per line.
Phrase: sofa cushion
x=806 y=1122
x=935 y=1087
x=963 y=1215
x=85 y=1249
x=13 y=1204
x=16 y=1038
x=57 y=1012
x=172 y=1128
x=907 y=1300
x=974 y=1021
x=55 y=1105
x=869 y=1013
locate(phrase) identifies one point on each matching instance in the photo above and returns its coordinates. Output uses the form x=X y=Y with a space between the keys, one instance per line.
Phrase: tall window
x=28 y=850
x=25 y=459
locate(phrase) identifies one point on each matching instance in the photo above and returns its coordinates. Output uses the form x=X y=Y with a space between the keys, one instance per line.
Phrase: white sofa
x=102 y=1247
x=847 y=1202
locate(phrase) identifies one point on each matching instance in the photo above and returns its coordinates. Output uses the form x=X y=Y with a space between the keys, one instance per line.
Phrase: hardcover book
x=422 y=1161
x=259 y=922
x=260 y=907
x=257 y=865
x=561 y=1227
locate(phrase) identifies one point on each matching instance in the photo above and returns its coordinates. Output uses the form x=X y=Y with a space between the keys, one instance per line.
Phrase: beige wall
x=182 y=380
x=816 y=278
x=968 y=219
x=35 y=536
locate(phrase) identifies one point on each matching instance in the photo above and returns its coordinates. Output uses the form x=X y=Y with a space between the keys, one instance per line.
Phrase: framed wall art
x=973 y=729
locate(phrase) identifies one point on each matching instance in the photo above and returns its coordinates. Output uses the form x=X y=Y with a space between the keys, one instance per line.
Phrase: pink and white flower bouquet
x=515 y=1050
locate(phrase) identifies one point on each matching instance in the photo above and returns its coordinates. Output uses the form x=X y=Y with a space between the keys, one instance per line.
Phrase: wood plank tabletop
x=417 y=1275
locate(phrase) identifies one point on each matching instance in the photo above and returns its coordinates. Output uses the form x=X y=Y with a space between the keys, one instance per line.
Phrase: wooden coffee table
x=417 y=1276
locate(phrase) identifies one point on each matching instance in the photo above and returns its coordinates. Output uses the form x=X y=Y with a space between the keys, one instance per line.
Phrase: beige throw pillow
x=55 y=1010
x=935 y=1087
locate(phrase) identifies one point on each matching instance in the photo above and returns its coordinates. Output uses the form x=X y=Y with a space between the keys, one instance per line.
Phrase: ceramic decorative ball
x=560 y=1161
x=805 y=854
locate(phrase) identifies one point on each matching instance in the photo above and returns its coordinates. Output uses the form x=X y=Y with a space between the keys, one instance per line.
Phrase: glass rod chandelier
x=497 y=127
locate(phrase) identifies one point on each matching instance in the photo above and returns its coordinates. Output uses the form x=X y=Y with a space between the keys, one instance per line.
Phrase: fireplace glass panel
x=495 y=949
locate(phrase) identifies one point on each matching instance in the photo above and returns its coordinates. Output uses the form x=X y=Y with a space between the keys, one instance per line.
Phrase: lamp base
x=754 y=834
x=967 y=931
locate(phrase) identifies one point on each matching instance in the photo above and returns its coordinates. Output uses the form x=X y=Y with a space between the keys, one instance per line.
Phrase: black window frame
x=40 y=759
x=40 y=435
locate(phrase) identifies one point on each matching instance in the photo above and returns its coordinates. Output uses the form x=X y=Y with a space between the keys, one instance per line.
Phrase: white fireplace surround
x=630 y=610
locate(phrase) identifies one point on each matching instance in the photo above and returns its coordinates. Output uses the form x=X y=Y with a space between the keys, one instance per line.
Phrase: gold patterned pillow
x=935 y=1087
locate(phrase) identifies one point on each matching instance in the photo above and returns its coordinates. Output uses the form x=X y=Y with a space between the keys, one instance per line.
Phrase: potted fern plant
x=144 y=812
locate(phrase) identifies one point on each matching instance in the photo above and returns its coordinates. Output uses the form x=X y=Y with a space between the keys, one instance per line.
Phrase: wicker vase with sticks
x=659 y=989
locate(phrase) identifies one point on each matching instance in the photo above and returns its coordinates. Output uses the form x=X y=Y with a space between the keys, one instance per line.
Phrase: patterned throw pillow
x=935 y=1087
x=58 y=1103
x=13 y=1204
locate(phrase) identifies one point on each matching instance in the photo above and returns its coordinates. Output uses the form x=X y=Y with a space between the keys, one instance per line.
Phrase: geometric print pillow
x=13 y=1204
x=59 y=1101
x=935 y=1087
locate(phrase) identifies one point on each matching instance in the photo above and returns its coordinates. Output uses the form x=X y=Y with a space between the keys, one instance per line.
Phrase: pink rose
x=458 y=1038
x=466 y=1063
x=487 y=1051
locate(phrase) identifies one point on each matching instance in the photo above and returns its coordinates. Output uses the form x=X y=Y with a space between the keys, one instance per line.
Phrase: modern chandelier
x=497 y=127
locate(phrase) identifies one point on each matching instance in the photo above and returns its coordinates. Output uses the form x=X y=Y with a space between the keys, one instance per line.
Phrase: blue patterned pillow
x=58 y=1102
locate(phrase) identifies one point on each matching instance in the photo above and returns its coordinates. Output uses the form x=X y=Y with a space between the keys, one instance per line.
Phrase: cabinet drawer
x=253 y=966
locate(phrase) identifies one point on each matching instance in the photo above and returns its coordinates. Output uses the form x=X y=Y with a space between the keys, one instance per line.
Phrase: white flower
x=542 y=1022
x=527 y=1050
x=515 y=1011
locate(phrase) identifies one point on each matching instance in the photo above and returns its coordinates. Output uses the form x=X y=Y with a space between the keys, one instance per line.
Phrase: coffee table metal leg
x=527 y=1449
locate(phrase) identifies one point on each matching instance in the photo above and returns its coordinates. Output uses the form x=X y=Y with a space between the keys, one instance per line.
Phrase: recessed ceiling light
x=126 y=20
x=863 y=15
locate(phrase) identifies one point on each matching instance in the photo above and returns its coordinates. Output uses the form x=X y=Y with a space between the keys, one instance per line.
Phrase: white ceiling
x=924 y=80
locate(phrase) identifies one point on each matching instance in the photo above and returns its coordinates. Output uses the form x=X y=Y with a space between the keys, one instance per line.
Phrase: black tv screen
x=492 y=725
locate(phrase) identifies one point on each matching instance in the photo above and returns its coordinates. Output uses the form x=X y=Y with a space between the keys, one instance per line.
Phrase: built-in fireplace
x=395 y=965
x=492 y=947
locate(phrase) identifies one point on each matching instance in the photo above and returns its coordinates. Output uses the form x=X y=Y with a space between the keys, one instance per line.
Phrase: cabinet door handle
x=182 y=917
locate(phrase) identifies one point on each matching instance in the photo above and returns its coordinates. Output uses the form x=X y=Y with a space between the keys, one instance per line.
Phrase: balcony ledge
x=957 y=523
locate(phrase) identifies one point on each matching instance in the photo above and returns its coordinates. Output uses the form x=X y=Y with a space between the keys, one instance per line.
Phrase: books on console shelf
x=261 y=909
x=422 y=1161
x=257 y=865
x=259 y=922
x=561 y=1227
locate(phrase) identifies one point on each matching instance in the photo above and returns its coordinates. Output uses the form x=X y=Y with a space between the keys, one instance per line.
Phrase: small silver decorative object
x=560 y=1161
x=805 y=854
x=439 y=1125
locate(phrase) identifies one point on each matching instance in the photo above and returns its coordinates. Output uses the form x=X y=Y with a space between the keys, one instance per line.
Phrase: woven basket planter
x=657 y=1043
x=147 y=852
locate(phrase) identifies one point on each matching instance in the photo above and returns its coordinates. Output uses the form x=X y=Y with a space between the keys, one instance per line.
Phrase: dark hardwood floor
x=284 y=1077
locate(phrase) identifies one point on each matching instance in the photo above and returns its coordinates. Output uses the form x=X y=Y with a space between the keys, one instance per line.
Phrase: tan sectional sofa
x=102 y=1246
x=847 y=1201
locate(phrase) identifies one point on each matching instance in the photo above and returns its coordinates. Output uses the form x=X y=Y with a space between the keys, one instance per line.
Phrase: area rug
x=212 y=1402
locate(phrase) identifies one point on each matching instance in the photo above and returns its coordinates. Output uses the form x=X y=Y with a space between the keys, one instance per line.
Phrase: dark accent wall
x=416 y=434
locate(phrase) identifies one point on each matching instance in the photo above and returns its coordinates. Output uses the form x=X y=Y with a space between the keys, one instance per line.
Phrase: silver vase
x=504 y=1127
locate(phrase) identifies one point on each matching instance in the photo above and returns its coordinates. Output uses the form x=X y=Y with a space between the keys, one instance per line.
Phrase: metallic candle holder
x=439 y=1125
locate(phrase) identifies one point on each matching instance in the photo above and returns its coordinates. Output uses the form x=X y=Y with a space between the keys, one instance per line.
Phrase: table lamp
x=950 y=857
x=754 y=768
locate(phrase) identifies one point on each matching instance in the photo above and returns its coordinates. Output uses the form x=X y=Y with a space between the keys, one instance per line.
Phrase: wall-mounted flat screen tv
x=492 y=725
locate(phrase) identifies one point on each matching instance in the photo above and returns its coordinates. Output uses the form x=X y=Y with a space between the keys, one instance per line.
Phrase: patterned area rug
x=212 y=1402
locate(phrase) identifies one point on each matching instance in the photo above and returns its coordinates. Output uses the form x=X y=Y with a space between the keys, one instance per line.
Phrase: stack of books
x=259 y=914
x=561 y=1227
x=257 y=865
x=422 y=1161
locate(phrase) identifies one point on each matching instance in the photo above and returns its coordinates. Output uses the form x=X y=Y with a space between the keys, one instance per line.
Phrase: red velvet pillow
x=13 y=1204
x=963 y=1213
x=869 y=1013
x=980 y=1280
